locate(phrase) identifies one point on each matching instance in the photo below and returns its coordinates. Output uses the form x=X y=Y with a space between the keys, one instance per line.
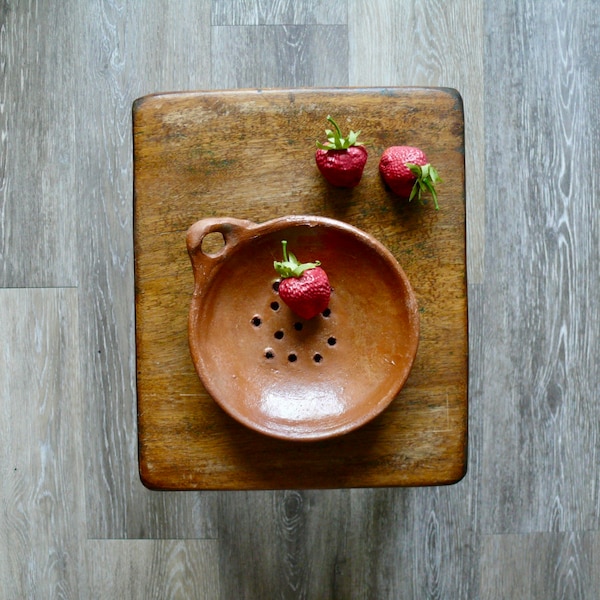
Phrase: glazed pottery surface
x=281 y=375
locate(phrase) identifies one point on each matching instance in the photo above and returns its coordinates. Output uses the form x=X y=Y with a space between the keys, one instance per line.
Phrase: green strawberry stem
x=335 y=140
x=427 y=178
x=290 y=266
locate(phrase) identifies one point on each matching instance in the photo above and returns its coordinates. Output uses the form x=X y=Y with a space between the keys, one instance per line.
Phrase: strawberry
x=408 y=173
x=341 y=160
x=304 y=287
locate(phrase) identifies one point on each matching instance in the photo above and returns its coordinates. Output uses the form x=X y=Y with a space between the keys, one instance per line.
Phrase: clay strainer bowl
x=284 y=376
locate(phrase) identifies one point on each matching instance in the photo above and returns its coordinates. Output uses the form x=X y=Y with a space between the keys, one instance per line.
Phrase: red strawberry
x=341 y=160
x=304 y=287
x=408 y=173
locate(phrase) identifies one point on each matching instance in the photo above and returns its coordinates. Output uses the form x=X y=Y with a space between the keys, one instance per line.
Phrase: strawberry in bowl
x=304 y=287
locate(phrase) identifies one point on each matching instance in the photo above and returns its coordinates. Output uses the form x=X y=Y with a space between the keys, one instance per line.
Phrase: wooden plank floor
x=75 y=520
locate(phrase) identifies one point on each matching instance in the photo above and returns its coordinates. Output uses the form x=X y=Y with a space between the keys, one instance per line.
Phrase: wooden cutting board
x=250 y=154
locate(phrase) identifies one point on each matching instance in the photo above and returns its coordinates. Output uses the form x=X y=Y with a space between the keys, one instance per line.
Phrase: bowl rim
x=237 y=233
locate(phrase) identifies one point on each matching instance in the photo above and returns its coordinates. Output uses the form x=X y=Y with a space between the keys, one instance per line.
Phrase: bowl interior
x=301 y=379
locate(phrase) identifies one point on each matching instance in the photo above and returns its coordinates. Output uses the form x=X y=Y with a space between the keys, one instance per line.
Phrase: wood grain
x=185 y=170
x=540 y=565
x=279 y=12
x=541 y=374
x=430 y=44
x=279 y=56
x=141 y=569
x=523 y=523
x=306 y=533
x=117 y=504
x=42 y=483
x=37 y=206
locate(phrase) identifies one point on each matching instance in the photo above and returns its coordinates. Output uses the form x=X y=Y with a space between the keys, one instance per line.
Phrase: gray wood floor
x=76 y=522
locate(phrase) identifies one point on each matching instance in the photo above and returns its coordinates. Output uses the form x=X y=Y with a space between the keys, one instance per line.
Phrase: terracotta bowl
x=281 y=375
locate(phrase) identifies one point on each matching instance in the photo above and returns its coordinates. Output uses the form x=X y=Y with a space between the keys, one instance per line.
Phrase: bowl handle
x=233 y=232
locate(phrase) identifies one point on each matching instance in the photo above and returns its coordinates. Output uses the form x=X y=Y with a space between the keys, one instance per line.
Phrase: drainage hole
x=326 y=312
x=332 y=341
x=279 y=335
x=276 y=286
x=275 y=305
x=292 y=357
x=256 y=321
x=317 y=358
x=269 y=353
x=298 y=326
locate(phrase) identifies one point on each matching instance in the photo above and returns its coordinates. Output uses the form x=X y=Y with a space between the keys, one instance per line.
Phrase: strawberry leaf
x=427 y=178
x=290 y=266
x=335 y=140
